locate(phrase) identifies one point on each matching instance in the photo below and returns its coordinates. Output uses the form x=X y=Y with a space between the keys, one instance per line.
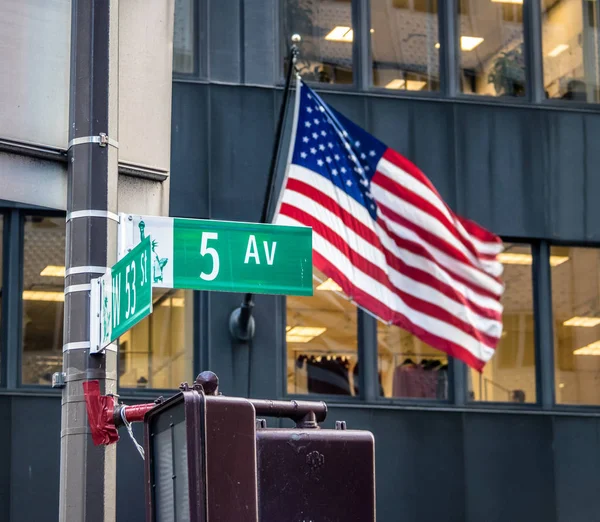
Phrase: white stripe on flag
x=392 y=301
x=398 y=280
x=401 y=177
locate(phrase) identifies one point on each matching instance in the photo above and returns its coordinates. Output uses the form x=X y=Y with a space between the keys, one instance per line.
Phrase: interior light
x=467 y=43
x=590 y=349
x=561 y=48
x=35 y=295
x=586 y=322
x=330 y=285
x=53 y=271
x=507 y=1
x=561 y=385
x=558 y=260
x=409 y=85
x=510 y=258
x=303 y=334
x=174 y=302
x=340 y=34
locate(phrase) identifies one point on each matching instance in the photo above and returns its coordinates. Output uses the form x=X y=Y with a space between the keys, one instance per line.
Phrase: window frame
x=23 y=213
x=449 y=63
x=199 y=43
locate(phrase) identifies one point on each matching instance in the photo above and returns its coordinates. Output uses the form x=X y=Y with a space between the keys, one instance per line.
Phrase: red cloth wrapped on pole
x=100 y=409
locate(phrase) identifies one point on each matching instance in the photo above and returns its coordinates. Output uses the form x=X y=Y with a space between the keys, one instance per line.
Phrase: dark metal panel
x=419 y=462
x=260 y=33
x=566 y=149
x=5 y=451
x=509 y=468
x=592 y=179
x=241 y=138
x=421 y=131
x=131 y=497
x=224 y=33
x=353 y=107
x=577 y=452
x=35 y=458
x=499 y=169
x=190 y=183
x=230 y=360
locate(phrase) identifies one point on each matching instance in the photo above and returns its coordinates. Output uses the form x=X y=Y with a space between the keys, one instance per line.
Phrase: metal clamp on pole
x=102 y=139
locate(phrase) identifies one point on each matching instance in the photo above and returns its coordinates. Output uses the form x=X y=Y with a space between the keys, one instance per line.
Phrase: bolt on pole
x=88 y=472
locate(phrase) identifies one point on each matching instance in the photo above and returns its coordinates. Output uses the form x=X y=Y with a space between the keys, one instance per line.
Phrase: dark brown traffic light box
x=206 y=461
x=315 y=475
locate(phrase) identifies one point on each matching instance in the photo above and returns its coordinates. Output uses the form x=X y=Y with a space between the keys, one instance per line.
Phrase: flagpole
x=241 y=322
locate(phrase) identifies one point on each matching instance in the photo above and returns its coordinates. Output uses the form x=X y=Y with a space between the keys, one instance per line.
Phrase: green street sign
x=122 y=297
x=223 y=255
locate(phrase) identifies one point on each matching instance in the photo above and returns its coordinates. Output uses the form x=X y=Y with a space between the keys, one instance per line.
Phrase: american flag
x=383 y=233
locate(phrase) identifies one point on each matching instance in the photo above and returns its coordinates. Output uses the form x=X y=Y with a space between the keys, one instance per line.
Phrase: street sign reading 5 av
x=223 y=255
x=122 y=297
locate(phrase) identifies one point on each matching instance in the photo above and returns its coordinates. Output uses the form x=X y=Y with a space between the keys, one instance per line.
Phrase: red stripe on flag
x=410 y=168
x=368 y=267
x=379 y=309
x=392 y=259
x=431 y=239
x=429 y=208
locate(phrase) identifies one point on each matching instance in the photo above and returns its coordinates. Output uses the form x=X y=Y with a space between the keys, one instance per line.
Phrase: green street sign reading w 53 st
x=122 y=297
x=223 y=255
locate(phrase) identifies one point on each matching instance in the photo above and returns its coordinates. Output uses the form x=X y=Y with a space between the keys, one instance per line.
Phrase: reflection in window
x=404 y=44
x=321 y=338
x=326 y=30
x=184 y=37
x=408 y=367
x=492 y=57
x=576 y=309
x=43 y=298
x=510 y=375
x=158 y=351
x=571 y=49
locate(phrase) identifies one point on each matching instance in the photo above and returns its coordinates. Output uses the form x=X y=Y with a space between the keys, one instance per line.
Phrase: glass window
x=326 y=30
x=408 y=367
x=184 y=37
x=405 y=44
x=321 y=338
x=158 y=351
x=43 y=298
x=571 y=49
x=510 y=375
x=576 y=309
x=492 y=60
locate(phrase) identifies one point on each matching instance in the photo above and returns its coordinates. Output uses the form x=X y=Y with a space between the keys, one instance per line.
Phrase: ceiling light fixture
x=561 y=48
x=507 y=2
x=586 y=322
x=329 y=284
x=35 y=295
x=53 y=271
x=340 y=34
x=511 y=258
x=467 y=43
x=303 y=334
x=590 y=349
x=409 y=85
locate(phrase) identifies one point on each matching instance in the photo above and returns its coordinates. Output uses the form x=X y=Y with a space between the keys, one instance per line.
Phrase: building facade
x=497 y=101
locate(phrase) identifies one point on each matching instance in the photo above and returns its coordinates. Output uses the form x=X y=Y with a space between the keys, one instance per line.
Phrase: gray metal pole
x=88 y=472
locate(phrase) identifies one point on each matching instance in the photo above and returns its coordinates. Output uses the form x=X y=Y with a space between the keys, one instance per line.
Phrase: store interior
x=405 y=45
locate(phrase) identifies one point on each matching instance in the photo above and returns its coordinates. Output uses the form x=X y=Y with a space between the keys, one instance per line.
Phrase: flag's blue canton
x=331 y=145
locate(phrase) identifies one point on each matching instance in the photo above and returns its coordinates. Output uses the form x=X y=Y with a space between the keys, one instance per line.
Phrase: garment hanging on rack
x=425 y=380
x=326 y=375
